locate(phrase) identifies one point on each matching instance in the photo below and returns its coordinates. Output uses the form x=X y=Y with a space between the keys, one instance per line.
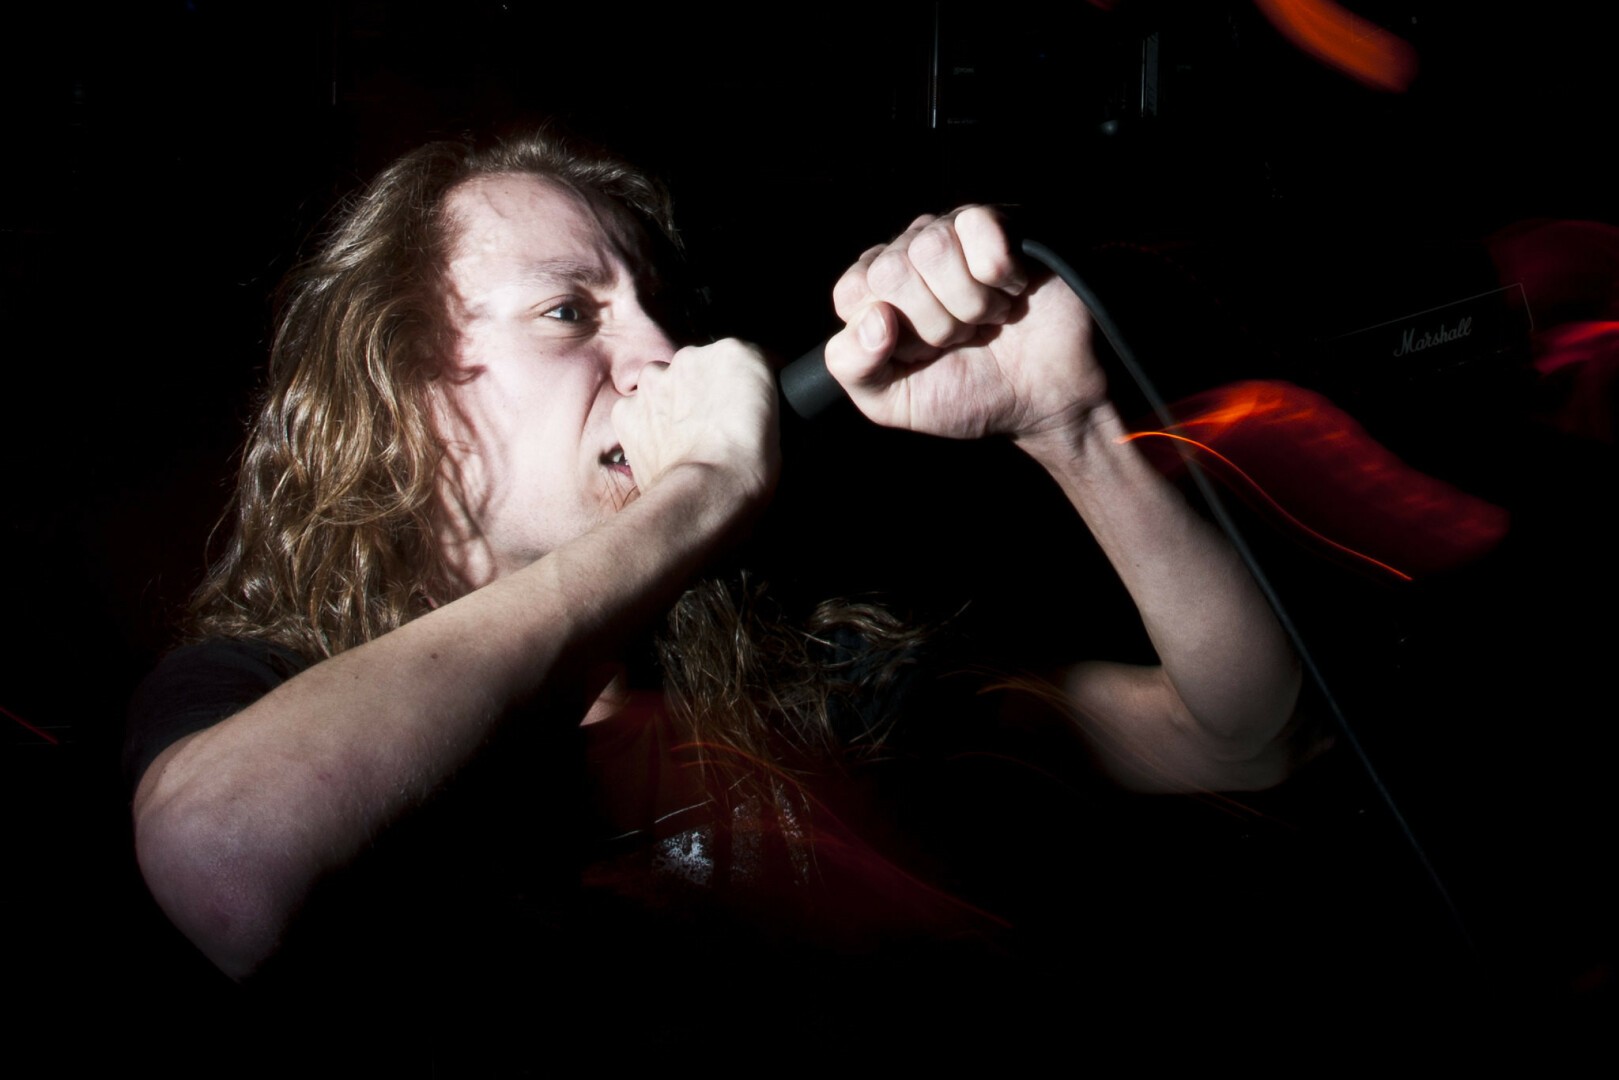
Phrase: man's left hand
x=945 y=335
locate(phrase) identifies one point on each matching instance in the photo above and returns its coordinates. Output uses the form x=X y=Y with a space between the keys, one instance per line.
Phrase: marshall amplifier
x=1472 y=352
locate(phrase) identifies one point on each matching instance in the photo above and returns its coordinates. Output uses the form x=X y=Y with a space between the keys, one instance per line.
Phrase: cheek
x=464 y=419
x=493 y=412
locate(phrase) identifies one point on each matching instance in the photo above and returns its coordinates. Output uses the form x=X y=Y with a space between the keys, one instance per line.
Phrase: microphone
x=807 y=387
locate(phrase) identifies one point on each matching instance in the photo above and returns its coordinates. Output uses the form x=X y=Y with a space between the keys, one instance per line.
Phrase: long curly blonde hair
x=337 y=506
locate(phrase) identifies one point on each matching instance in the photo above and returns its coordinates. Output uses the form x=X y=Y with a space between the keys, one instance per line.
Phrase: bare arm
x=945 y=336
x=236 y=823
x=1211 y=714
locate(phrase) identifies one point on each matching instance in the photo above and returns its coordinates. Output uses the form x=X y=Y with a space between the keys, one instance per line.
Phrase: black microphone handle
x=808 y=388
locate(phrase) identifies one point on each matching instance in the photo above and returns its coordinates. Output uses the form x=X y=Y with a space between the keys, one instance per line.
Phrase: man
x=483 y=465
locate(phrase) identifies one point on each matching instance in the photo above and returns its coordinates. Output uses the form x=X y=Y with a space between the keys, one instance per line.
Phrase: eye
x=566 y=313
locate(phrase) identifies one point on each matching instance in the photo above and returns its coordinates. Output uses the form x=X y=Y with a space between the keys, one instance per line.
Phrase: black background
x=166 y=161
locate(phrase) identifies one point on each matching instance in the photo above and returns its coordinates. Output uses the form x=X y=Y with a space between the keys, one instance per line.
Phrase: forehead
x=519 y=223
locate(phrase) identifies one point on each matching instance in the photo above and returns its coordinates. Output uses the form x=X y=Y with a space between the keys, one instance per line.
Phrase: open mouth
x=621 y=489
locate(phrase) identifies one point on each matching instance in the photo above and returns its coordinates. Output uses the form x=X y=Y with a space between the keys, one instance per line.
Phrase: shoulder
x=195 y=687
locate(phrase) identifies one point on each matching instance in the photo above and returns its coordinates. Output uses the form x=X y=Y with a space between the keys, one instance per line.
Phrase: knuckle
x=989 y=255
x=850 y=290
x=943 y=333
x=979 y=221
x=980 y=306
x=997 y=266
x=994 y=267
x=888 y=273
x=932 y=247
x=731 y=347
x=975 y=217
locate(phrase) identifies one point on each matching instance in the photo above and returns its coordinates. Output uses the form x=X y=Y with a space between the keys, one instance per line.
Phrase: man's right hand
x=713 y=406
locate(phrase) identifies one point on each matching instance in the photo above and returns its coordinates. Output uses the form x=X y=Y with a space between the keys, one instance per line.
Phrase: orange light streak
x=1262 y=493
x=1343 y=40
x=1309 y=461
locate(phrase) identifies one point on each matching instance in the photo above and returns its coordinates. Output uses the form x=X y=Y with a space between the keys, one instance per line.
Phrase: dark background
x=168 y=160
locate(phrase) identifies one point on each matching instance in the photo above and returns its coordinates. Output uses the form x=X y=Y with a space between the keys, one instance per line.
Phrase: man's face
x=547 y=305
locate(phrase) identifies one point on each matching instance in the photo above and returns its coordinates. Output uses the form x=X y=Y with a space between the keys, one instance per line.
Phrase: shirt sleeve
x=195 y=687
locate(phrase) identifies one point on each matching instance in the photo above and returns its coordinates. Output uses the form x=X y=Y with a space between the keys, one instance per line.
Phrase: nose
x=642 y=341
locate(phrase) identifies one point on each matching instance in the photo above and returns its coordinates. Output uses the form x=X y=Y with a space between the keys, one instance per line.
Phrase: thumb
x=857 y=354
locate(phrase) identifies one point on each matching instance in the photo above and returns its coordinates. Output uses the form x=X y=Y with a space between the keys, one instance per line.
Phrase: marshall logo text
x=1410 y=343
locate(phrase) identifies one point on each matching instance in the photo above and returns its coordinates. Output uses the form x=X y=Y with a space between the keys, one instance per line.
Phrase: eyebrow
x=551 y=272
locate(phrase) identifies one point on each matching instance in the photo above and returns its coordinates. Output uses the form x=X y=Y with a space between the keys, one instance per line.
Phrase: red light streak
x=1567 y=268
x=1576 y=343
x=1568 y=271
x=42 y=734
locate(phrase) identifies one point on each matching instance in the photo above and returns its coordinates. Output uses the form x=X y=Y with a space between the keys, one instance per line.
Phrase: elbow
x=1252 y=711
x=1271 y=752
x=215 y=878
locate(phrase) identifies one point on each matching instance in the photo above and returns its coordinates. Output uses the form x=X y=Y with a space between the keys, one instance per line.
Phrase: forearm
x=1233 y=675
x=236 y=823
